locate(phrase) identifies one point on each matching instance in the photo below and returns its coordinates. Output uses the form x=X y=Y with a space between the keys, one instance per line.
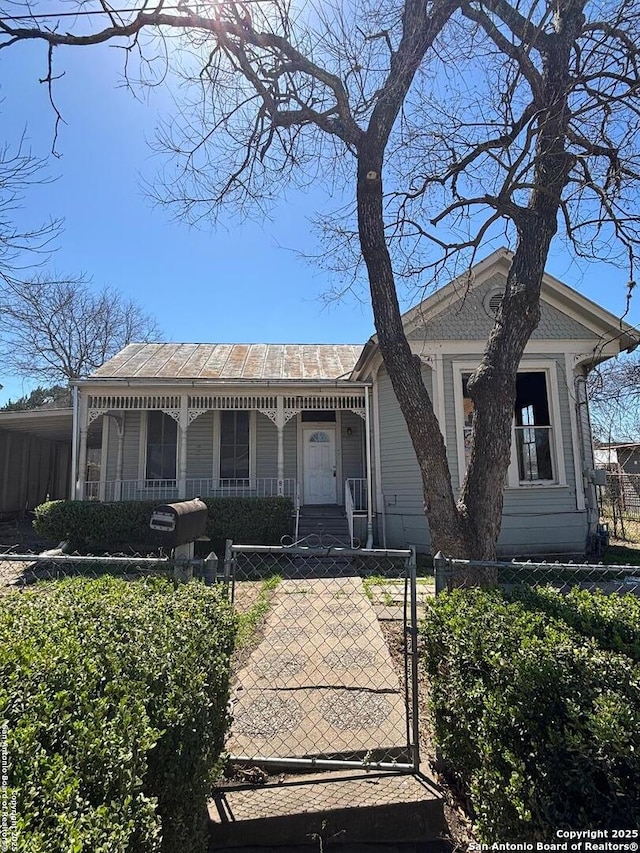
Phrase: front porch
x=312 y=448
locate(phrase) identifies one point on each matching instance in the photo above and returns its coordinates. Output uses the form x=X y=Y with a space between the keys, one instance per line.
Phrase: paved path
x=321 y=683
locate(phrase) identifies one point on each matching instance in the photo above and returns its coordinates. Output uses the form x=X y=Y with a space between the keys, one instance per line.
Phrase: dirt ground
x=18 y=535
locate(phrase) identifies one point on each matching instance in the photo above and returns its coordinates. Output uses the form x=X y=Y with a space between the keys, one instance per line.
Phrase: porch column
x=367 y=439
x=104 y=449
x=117 y=495
x=83 y=419
x=183 y=423
x=73 y=486
x=280 y=428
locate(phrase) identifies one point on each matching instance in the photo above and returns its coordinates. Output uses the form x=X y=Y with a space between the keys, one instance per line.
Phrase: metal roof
x=232 y=361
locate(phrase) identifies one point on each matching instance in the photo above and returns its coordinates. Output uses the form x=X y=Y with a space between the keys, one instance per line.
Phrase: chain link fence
x=619 y=501
x=22 y=570
x=563 y=576
x=317 y=685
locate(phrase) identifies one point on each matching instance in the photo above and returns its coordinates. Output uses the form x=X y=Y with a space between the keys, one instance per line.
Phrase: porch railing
x=355 y=501
x=149 y=490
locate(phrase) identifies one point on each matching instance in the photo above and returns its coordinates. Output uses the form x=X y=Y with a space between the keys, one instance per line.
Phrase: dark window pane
x=168 y=462
x=534 y=454
x=227 y=427
x=234 y=445
x=532 y=406
x=154 y=427
x=154 y=462
x=162 y=442
x=320 y=416
x=242 y=428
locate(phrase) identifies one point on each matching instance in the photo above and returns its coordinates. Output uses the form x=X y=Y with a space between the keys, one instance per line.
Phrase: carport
x=35 y=458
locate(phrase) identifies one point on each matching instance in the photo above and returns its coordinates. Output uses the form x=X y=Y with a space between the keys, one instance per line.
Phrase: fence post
x=413 y=585
x=440 y=568
x=182 y=570
x=210 y=569
x=228 y=575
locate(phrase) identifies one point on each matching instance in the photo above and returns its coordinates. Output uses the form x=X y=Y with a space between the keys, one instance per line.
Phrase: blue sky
x=239 y=282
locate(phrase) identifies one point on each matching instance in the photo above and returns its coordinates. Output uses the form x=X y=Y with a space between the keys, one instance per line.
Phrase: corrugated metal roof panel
x=232 y=361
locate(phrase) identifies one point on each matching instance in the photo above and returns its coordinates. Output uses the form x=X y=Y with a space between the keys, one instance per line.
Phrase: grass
x=382 y=596
x=251 y=619
x=622 y=555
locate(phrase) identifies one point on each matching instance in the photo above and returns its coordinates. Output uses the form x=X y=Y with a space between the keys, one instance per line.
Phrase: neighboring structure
x=35 y=458
x=620 y=464
x=320 y=423
x=618 y=457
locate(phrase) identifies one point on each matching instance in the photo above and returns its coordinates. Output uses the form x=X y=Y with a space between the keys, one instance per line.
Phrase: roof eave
x=208 y=383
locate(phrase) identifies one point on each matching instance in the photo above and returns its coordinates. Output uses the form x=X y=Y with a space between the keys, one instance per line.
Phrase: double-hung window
x=162 y=446
x=234 y=445
x=533 y=430
x=536 y=455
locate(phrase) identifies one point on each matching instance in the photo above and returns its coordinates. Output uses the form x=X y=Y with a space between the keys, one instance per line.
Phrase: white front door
x=319 y=466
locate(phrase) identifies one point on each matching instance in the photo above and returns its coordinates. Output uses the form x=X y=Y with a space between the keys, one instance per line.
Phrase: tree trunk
x=493 y=385
x=448 y=532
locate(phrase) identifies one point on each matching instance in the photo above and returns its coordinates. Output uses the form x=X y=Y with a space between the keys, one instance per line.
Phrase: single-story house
x=321 y=424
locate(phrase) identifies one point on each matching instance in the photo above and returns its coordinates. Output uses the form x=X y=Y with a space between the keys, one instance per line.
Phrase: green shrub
x=95 y=527
x=612 y=620
x=114 y=696
x=540 y=724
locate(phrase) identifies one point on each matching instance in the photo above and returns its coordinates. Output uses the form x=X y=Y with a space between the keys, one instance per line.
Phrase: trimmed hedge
x=540 y=724
x=612 y=620
x=90 y=526
x=115 y=696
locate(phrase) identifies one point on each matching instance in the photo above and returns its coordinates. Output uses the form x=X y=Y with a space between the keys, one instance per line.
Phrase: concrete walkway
x=321 y=683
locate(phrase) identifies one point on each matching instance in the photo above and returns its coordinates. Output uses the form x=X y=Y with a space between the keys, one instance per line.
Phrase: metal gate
x=323 y=682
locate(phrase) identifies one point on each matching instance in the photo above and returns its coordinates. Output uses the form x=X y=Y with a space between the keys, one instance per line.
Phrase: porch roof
x=52 y=424
x=232 y=361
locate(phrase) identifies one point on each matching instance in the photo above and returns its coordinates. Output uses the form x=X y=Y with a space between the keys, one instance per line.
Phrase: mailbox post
x=179 y=525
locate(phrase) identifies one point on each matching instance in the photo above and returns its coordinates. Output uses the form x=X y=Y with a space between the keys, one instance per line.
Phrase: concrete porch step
x=346 y=807
x=321 y=511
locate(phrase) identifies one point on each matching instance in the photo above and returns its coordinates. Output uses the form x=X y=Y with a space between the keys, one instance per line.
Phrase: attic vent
x=494 y=301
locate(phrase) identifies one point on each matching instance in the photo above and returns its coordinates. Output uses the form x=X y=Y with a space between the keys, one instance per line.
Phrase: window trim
x=549 y=368
x=144 y=444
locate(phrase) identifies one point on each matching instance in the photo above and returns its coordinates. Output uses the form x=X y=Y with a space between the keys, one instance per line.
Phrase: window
x=467 y=405
x=234 y=445
x=536 y=457
x=162 y=446
x=533 y=428
x=323 y=416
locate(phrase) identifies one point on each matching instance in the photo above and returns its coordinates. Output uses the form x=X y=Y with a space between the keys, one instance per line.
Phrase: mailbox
x=180 y=523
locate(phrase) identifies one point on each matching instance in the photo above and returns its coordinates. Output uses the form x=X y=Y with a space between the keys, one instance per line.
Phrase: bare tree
x=484 y=118
x=20 y=247
x=614 y=393
x=61 y=329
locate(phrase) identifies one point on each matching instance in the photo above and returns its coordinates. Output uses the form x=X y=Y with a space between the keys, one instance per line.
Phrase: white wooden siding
x=131 y=447
x=353 y=464
x=536 y=519
x=267 y=447
x=200 y=447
